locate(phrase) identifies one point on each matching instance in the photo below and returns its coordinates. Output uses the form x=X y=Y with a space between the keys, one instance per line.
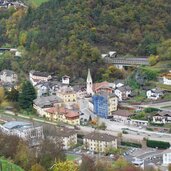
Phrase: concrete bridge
x=119 y=62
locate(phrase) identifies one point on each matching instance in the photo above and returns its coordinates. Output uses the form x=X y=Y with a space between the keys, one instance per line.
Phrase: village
x=101 y=110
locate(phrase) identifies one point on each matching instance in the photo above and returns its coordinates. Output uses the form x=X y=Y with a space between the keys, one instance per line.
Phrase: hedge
x=124 y=143
x=157 y=144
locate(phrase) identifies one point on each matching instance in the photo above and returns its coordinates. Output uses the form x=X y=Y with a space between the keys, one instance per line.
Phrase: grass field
x=36 y=3
x=71 y=157
x=6 y=166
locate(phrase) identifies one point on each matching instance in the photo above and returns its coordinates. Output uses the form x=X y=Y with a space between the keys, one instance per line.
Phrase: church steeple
x=89 y=83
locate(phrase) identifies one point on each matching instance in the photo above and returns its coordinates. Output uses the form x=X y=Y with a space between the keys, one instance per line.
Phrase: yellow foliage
x=66 y=165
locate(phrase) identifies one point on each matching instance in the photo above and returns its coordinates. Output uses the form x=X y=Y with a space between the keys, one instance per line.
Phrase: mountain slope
x=64 y=34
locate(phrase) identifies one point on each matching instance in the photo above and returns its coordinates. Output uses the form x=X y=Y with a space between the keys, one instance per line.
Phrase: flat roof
x=17 y=125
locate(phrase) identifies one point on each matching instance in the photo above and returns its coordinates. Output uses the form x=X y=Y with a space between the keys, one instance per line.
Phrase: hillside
x=68 y=36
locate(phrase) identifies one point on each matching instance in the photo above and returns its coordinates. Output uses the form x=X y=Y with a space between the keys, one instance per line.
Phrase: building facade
x=104 y=104
x=37 y=76
x=99 y=142
x=25 y=130
x=8 y=76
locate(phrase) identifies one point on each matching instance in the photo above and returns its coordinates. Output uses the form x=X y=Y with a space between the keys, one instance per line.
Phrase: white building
x=65 y=79
x=167 y=78
x=162 y=117
x=8 y=76
x=68 y=137
x=167 y=157
x=37 y=76
x=89 y=84
x=123 y=92
x=99 y=142
x=25 y=130
x=154 y=94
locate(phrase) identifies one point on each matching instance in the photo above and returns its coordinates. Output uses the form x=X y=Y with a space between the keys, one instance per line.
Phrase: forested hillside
x=68 y=36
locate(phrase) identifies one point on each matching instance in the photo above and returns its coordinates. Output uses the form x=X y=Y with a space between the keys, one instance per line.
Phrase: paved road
x=115 y=127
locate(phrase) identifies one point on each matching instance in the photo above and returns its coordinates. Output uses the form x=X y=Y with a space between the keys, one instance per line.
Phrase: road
x=115 y=127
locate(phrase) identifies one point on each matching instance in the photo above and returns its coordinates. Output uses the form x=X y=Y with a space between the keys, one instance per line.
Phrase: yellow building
x=67 y=94
x=113 y=104
x=64 y=115
x=99 y=142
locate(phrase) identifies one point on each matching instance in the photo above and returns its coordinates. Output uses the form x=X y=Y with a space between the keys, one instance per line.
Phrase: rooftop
x=47 y=101
x=17 y=125
x=100 y=137
x=38 y=73
x=62 y=132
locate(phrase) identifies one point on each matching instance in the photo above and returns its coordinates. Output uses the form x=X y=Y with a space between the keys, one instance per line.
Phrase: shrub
x=124 y=143
x=150 y=110
x=158 y=144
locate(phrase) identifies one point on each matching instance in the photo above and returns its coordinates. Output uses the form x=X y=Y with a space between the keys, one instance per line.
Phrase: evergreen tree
x=27 y=95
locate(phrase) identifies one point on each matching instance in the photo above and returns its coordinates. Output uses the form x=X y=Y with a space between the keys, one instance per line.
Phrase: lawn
x=71 y=157
x=36 y=3
x=7 y=166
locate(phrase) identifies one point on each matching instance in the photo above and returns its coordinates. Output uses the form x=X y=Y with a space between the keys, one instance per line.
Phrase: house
x=67 y=94
x=123 y=92
x=122 y=115
x=65 y=79
x=119 y=83
x=166 y=157
x=99 y=142
x=8 y=76
x=80 y=91
x=64 y=115
x=44 y=88
x=167 y=78
x=103 y=86
x=25 y=130
x=37 y=76
x=154 y=94
x=67 y=136
x=162 y=117
x=43 y=103
x=104 y=104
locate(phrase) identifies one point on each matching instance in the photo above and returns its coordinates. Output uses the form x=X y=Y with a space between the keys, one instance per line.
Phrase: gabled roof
x=7 y=72
x=104 y=84
x=63 y=111
x=40 y=74
x=163 y=113
x=47 y=101
x=100 y=137
x=124 y=88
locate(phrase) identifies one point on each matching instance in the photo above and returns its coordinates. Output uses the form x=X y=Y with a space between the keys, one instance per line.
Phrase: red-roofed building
x=103 y=86
x=64 y=115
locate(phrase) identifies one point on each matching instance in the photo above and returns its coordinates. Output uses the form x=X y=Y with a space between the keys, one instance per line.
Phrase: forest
x=67 y=37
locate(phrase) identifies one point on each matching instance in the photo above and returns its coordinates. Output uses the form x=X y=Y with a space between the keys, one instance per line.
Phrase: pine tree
x=27 y=95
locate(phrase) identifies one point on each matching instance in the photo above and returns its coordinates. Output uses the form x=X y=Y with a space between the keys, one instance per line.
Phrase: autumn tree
x=51 y=150
x=37 y=167
x=24 y=156
x=65 y=165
